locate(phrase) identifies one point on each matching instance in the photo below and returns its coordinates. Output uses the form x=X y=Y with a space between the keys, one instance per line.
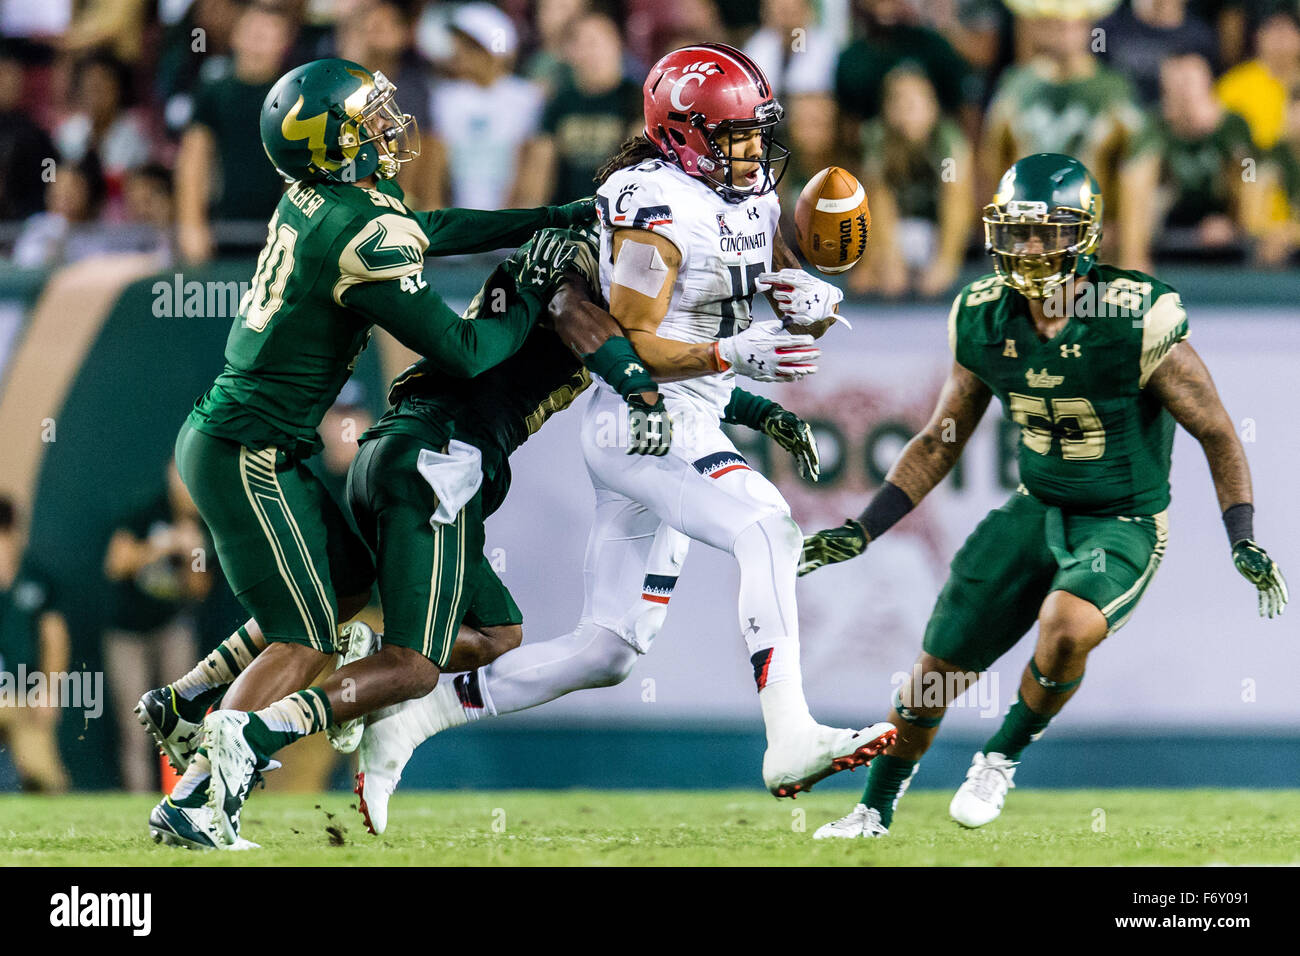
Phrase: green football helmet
x=1044 y=223
x=335 y=120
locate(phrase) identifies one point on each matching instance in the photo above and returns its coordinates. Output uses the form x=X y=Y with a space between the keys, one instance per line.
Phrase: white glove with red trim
x=802 y=298
x=766 y=352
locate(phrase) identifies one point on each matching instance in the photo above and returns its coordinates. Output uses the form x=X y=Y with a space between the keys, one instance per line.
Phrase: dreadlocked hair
x=636 y=149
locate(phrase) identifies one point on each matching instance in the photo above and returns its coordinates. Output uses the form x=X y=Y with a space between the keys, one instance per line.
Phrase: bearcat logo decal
x=692 y=74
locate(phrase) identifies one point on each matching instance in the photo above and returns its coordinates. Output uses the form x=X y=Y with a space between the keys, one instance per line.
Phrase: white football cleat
x=862 y=821
x=800 y=759
x=387 y=743
x=980 y=798
x=356 y=641
x=233 y=765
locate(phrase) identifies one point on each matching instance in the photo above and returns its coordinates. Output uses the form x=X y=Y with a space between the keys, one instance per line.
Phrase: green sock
x=296 y=716
x=887 y=778
x=1019 y=729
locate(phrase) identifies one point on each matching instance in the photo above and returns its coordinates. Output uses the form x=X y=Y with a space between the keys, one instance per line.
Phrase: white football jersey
x=725 y=246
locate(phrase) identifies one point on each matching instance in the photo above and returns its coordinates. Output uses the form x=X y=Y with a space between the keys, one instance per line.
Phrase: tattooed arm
x=1183 y=385
x=925 y=461
x=930 y=455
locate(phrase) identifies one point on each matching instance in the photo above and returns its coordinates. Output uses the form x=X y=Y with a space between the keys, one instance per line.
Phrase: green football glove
x=1259 y=569
x=576 y=213
x=796 y=436
x=551 y=253
x=650 y=430
x=832 y=546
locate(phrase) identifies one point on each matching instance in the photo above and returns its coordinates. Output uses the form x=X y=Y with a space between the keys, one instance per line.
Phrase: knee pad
x=610 y=657
x=775 y=533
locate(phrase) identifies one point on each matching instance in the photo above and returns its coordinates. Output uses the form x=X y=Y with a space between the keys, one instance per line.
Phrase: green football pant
x=283 y=542
x=1023 y=551
x=432 y=576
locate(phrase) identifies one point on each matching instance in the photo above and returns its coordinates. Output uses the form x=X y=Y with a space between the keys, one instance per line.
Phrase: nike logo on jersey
x=1042 y=379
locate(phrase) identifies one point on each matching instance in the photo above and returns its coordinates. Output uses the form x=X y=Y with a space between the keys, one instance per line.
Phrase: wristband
x=885 y=510
x=618 y=364
x=748 y=409
x=1239 y=520
x=717 y=361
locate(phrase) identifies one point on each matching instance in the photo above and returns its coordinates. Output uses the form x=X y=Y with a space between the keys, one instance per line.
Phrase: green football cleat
x=358 y=641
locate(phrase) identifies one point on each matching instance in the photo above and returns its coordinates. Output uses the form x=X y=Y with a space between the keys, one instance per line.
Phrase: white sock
x=785 y=710
x=220 y=667
x=767 y=553
x=195 y=778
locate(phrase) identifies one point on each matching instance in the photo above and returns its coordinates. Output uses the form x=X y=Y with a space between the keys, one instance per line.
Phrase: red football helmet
x=698 y=92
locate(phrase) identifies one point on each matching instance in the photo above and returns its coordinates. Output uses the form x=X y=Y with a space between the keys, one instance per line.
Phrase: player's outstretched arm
x=1184 y=386
x=598 y=340
x=779 y=424
x=455 y=232
x=420 y=319
x=645 y=270
x=928 y=457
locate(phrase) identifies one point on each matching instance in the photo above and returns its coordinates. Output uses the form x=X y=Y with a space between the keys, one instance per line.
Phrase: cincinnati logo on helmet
x=693 y=74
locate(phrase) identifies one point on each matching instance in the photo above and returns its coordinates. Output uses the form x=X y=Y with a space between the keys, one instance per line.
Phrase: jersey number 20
x=274 y=265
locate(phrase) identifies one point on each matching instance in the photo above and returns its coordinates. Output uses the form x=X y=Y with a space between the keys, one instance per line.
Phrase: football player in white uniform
x=690 y=233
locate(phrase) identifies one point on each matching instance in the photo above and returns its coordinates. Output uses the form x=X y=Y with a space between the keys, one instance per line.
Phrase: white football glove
x=802 y=298
x=766 y=352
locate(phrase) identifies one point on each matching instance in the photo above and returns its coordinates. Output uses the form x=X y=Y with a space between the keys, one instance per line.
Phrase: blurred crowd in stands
x=131 y=125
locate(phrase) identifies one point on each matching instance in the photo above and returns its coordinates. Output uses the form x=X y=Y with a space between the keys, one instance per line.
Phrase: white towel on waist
x=454 y=477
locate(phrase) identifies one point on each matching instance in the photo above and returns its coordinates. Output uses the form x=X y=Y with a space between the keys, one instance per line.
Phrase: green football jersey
x=338 y=259
x=1093 y=441
x=496 y=411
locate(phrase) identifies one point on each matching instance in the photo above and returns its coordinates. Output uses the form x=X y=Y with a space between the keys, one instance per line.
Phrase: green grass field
x=703 y=828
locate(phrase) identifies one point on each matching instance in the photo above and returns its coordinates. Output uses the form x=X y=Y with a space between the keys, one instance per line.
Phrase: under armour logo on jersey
x=632 y=367
x=1009 y=350
x=752 y=212
x=723 y=228
x=753 y=627
x=1071 y=351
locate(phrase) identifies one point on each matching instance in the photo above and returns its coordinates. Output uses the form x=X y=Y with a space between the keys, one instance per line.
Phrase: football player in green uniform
x=1091 y=362
x=425 y=479
x=343 y=254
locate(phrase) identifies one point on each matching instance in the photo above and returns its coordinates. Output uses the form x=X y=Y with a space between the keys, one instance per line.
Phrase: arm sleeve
x=422 y=321
x=454 y=232
x=618 y=364
x=748 y=409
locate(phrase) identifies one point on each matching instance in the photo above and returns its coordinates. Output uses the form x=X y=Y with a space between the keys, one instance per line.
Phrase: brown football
x=832 y=221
